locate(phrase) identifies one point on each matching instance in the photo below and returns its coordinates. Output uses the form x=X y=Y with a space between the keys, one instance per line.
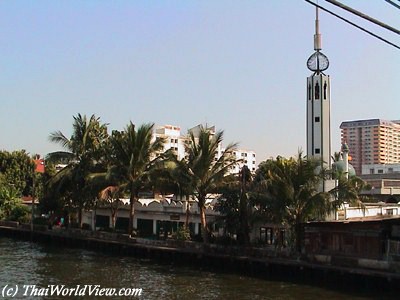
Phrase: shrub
x=19 y=213
x=183 y=234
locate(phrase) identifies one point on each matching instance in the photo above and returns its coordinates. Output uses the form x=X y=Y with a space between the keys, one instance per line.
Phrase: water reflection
x=25 y=263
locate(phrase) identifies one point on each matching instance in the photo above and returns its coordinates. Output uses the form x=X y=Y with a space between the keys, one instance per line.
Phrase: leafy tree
x=207 y=170
x=229 y=208
x=288 y=192
x=134 y=157
x=17 y=169
x=9 y=198
x=83 y=151
x=235 y=207
x=11 y=207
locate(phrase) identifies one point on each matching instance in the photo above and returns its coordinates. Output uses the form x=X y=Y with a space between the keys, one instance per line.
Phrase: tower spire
x=317 y=62
x=317 y=35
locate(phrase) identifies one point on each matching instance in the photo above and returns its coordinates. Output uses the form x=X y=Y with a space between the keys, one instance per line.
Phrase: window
x=317 y=119
x=317 y=151
x=266 y=235
x=316 y=91
x=371 y=171
x=380 y=171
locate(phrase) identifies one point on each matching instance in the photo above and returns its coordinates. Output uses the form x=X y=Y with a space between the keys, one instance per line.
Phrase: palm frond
x=59 y=138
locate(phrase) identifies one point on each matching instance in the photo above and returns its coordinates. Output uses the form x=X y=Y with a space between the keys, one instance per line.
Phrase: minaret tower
x=318 y=105
x=345 y=151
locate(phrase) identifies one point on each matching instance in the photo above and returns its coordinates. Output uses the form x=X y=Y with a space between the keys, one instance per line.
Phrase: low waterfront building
x=159 y=218
x=379 y=209
x=372 y=242
x=384 y=187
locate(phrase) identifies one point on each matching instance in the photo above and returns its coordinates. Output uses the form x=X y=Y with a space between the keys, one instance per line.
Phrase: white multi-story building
x=176 y=141
x=246 y=157
x=173 y=139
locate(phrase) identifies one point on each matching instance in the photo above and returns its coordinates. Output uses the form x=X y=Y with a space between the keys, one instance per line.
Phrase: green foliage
x=183 y=234
x=9 y=198
x=83 y=151
x=229 y=209
x=207 y=172
x=17 y=169
x=20 y=213
x=11 y=207
x=348 y=190
x=134 y=158
x=235 y=208
x=287 y=192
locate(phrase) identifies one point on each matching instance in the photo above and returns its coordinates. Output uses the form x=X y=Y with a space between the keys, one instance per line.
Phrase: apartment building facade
x=176 y=141
x=373 y=141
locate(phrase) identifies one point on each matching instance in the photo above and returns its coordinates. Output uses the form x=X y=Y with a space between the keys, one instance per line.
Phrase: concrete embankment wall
x=252 y=261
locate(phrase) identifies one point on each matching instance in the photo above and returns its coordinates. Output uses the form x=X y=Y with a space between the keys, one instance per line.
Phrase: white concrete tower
x=345 y=152
x=318 y=104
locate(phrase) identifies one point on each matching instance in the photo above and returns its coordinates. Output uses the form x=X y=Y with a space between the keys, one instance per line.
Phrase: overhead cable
x=392 y=3
x=364 y=16
x=355 y=25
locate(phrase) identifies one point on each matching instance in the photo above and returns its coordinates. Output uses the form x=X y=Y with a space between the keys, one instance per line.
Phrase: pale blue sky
x=239 y=65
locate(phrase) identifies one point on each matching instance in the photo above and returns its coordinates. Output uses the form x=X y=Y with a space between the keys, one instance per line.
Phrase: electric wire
x=364 y=16
x=353 y=24
x=392 y=3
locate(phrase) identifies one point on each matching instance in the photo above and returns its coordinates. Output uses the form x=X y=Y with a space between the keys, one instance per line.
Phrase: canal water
x=24 y=264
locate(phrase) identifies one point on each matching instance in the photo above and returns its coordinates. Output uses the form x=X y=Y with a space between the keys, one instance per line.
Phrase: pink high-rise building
x=373 y=141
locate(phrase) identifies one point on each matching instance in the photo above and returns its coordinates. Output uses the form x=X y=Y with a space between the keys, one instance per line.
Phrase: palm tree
x=111 y=197
x=206 y=167
x=181 y=175
x=134 y=156
x=82 y=151
x=291 y=194
x=348 y=190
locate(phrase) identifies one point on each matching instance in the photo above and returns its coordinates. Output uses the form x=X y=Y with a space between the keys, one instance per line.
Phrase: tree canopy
x=17 y=169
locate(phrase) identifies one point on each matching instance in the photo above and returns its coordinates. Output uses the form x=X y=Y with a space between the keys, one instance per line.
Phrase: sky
x=239 y=65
